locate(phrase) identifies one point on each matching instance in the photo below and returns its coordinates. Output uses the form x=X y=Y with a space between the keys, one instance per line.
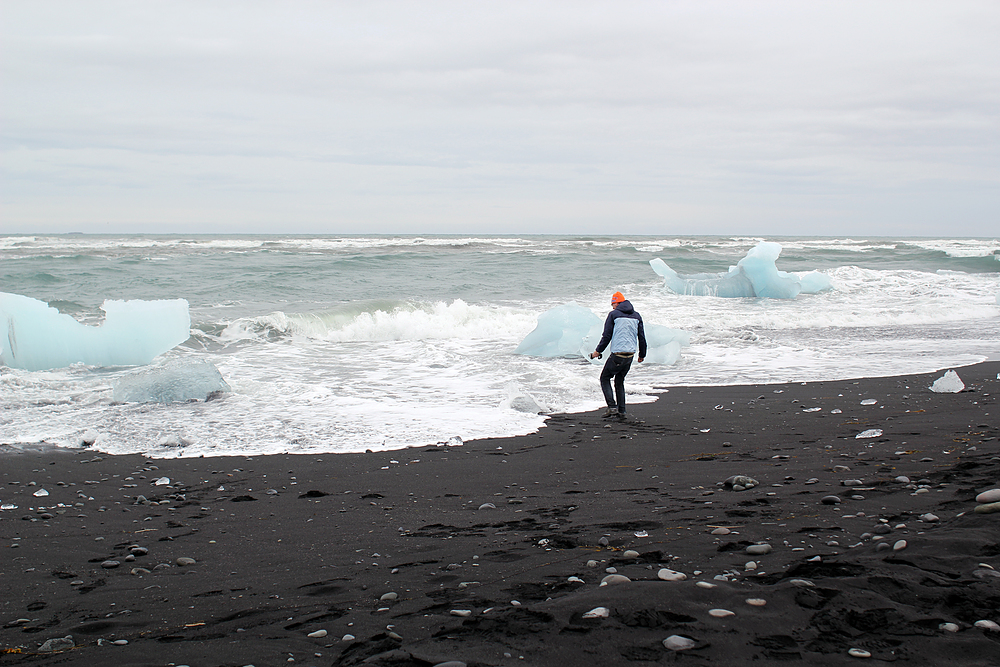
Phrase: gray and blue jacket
x=623 y=330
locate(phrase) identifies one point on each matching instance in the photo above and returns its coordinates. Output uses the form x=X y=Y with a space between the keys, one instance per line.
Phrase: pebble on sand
x=598 y=612
x=612 y=579
x=57 y=644
x=678 y=643
x=756 y=602
x=720 y=613
x=859 y=653
x=184 y=560
x=318 y=634
x=991 y=496
x=721 y=531
x=948 y=627
x=987 y=508
x=461 y=612
x=666 y=574
x=899 y=545
x=758 y=549
x=631 y=553
x=987 y=625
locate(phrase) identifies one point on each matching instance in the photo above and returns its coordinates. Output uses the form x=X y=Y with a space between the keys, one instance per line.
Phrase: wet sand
x=466 y=553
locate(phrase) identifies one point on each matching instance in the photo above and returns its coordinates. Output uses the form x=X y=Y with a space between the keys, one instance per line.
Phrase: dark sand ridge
x=343 y=530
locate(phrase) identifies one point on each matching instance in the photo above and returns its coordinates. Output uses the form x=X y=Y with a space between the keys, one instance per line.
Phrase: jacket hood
x=625 y=307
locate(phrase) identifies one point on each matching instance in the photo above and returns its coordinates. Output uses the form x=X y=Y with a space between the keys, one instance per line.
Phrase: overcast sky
x=665 y=118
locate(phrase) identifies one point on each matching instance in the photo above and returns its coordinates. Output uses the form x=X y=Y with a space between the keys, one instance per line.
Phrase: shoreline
x=289 y=545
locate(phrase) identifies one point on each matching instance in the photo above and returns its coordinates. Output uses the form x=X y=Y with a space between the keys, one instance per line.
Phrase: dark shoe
x=611 y=413
x=623 y=417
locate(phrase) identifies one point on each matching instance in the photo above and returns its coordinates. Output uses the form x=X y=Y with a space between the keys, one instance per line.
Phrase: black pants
x=615 y=367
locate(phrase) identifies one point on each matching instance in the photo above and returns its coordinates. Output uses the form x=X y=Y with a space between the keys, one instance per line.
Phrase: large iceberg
x=173 y=380
x=34 y=336
x=756 y=275
x=570 y=330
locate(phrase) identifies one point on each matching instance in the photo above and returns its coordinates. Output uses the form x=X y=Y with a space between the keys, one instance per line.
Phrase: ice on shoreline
x=36 y=336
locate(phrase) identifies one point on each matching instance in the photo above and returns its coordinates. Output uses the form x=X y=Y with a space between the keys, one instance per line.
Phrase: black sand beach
x=438 y=554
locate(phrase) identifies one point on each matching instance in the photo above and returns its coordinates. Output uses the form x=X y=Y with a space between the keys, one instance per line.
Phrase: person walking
x=624 y=333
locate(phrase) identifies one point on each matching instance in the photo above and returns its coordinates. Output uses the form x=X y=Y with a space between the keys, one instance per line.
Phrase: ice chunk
x=35 y=336
x=949 y=383
x=174 y=380
x=571 y=330
x=756 y=275
x=560 y=332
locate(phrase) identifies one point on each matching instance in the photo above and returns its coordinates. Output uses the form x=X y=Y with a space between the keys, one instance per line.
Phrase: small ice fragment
x=836 y=411
x=454 y=441
x=870 y=433
x=642 y=533
x=869 y=401
x=949 y=383
x=162 y=481
x=812 y=409
x=40 y=493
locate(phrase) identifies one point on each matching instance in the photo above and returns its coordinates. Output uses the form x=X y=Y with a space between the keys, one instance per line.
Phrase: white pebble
x=612 y=579
x=591 y=563
x=705 y=584
x=859 y=653
x=756 y=602
x=721 y=531
x=720 y=613
x=678 y=643
x=576 y=580
x=347 y=638
x=759 y=549
x=987 y=625
x=461 y=612
x=598 y=612
x=899 y=546
x=991 y=496
x=948 y=627
x=317 y=634
x=630 y=554
x=667 y=574
x=388 y=597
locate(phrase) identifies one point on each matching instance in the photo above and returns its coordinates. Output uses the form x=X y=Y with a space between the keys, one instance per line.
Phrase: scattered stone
x=184 y=560
x=57 y=644
x=869 y=401
x=948 y=627
x=841 y=469
x=929 y=518
x=721 y=531
x=389 y=597
x=347 y=638
x=740 y=483
x=598 y=612
x=575 y=580
x=830 y=500
x=899 y=545
x=991 y=496
x=120 y=642
x=630 y=554
x=162 y=481
x=592 y=563
x=110 y=564
x=852 y=482
x=987 y=625
x=903 y=479
x=40 y=493
x=487 y=506
x=705 y=584
x=667 y=574
x=317 y=635
x=859 y=653
x=756 y=602
x=613 y=579
x=870 y=433
x=987 y=508
x=882 y=529
x=678 y=643
x=137 y=571
x=720 y=613
x=758 y=549
x=461 y=612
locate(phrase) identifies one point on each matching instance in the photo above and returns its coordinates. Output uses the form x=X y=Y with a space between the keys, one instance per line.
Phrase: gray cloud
x=699 y=117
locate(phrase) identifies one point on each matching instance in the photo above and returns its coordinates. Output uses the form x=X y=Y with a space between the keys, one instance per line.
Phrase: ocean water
x=341 y=344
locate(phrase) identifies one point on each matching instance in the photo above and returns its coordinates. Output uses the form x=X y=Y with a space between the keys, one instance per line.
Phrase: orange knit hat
x=617 y=298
